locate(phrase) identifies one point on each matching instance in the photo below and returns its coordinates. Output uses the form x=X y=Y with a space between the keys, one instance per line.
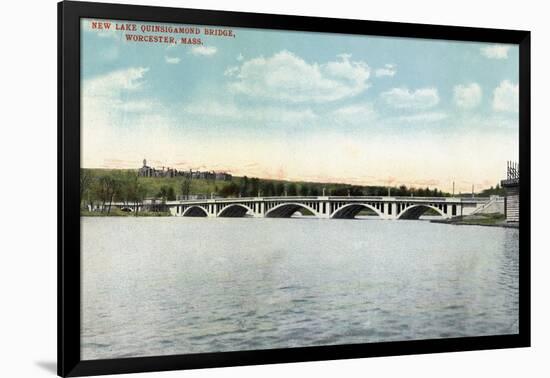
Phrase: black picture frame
x=69 y=360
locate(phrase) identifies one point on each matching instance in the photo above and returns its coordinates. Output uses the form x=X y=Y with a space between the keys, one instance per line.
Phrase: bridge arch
x=195 y=211
x=234 y=210
x=126 y=209
x=285 y=210
x=350 y=210
x=416 y=211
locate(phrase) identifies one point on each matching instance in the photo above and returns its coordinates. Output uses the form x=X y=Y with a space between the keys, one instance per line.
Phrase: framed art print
x=239 y=188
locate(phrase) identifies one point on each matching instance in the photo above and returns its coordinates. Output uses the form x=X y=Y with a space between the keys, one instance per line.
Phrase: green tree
x=105 y=190
x=171 y=194
x=356 y=191
x=163 y=192
x=254 y=187
x=292 y=189
x=86 y=183
x=339 y=191
x=185 y=186
x=244 y=187
x=134 y=191
x=402 y=190
x=280 y=188
x=141 y=193
x=268 y=188
x=126 y=185
x=497 y=190
x=230 y=190
x=128 y=188
x=167 y=193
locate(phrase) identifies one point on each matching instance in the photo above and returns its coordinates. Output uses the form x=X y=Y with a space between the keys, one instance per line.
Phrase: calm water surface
x=160 y=286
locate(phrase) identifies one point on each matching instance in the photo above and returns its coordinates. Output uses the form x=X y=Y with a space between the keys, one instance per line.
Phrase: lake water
x=160 y=286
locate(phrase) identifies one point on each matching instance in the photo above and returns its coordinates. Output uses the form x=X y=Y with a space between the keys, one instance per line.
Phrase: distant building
x=147 y=171
x=222 y=176
x=511 y=187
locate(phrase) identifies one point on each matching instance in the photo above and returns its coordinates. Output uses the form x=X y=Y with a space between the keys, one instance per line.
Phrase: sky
x=301 y=106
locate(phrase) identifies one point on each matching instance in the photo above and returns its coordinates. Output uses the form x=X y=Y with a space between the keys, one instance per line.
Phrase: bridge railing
x=334 y=198
x=463 y=199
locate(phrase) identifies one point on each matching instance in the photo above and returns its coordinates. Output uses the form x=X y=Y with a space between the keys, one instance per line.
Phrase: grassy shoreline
x=252 y=186
x=488 y=220
x=119 y=213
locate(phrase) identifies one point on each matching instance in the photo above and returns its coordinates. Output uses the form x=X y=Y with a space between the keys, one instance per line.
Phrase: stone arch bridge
x=325 y=207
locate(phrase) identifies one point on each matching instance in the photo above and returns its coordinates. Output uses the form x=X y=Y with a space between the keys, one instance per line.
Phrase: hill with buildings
x=146 y=182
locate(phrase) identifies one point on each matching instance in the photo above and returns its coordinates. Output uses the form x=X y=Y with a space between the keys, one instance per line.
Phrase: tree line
x=252 y=187
x=124 y=186
x=493 y=190
x=103 y=188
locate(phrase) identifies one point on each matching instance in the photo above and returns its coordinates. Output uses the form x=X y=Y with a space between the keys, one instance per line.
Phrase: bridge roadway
x=323 y=207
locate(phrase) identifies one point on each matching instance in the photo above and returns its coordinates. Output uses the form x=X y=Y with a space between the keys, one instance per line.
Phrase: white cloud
x=231 y=71
x=240 y=57
x=495 y=51
x=113 y=83
x=172 y=60
x=403 y=98
x=387 y=70
x=355 y=112
x=112 y=136
x=109 y=99
x=506 y=97
x=287 y=77
x=467 y=96
x=113 y=108
x=204 y=50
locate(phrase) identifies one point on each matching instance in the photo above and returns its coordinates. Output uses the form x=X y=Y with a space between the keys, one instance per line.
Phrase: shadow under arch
x=235 y=210
x=195 y=211
x=351 y=210
x=416 y=211
x=285 y=210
